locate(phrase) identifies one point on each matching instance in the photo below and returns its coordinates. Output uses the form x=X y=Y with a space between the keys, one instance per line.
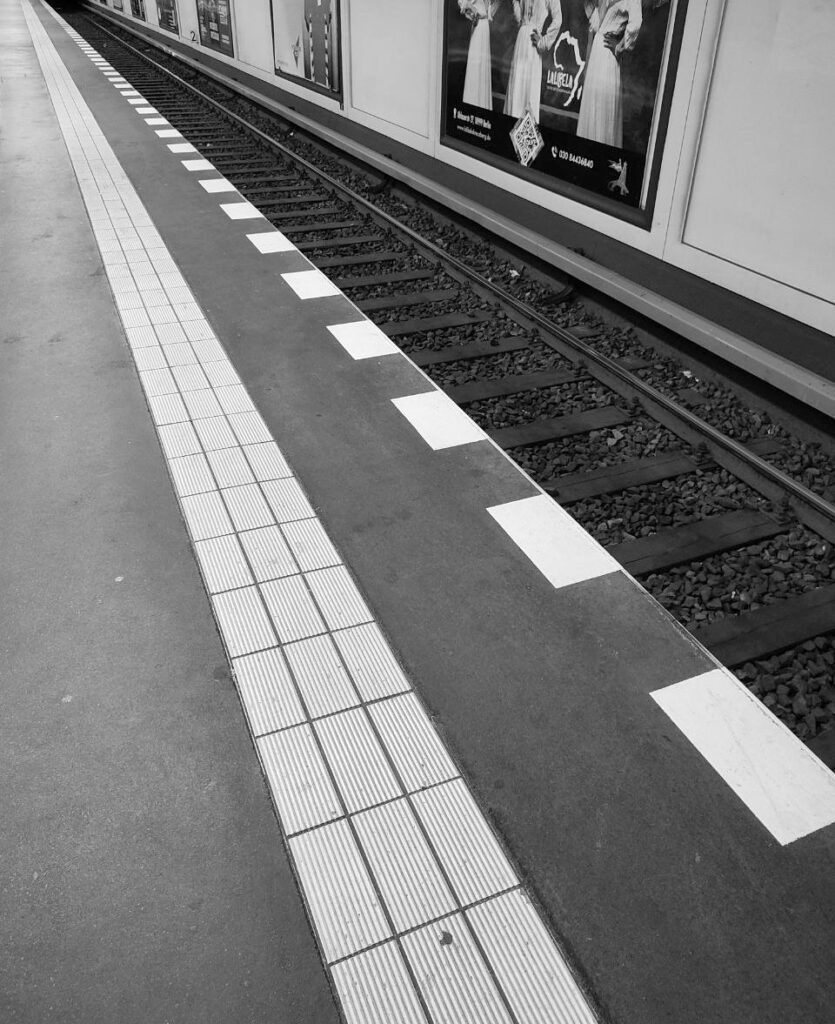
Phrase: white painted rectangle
x=556 y=544
x=271 y=241
x=776 y=776
x=438 y=420
x=198 y=165
x=213 y=185
x=240 y=211
x=362 y=339
x=310 y=284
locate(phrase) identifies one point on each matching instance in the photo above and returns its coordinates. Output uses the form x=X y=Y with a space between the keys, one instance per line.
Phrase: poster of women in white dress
x=570 y=89
x=306 y=41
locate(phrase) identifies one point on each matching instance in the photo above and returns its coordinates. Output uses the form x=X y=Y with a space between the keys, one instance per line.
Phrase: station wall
x=742 y=197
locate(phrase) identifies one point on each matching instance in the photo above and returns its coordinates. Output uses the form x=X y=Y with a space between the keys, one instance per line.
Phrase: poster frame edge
x=637 y=216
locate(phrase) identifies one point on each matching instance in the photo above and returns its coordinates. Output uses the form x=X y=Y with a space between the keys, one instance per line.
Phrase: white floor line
x=347 y=870
x=438 y=420
x=777 y=777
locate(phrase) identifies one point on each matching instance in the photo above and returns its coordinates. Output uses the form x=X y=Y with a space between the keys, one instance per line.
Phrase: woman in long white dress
x=478 y=78
x=524 y=83
x=614 y=26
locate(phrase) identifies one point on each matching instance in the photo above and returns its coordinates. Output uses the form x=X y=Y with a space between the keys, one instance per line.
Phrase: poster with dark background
x=567 y=88
x=167 y=16
x=137 y=9
x=214 y=18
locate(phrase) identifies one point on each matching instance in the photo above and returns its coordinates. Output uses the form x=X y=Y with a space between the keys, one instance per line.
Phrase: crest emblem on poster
x=565 y=78
x=527 y=139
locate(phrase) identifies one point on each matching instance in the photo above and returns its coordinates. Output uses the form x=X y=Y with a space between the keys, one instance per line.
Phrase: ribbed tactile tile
x=338 y=598
x=324 y=684
x=213 y=437
x=311 y=546
x=244 y=625
x=223 y=564
x=469 y=852
x=214 y=433
x=300 y=784
x=452 y=977
x=206 y=516
x=530 y=968
x=191 y=475
x=230 y=467
x=412 y=742
x=375 y=988
x=335 y=882
x=404 y=867
x=267 y=692
x=268 y=554
x=266 y=461
x=287 y=500
x=356 y=760
x=247 y=507
x=292 y=609
x=373 y=667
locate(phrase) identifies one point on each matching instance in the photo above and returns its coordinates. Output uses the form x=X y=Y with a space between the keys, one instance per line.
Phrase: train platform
x=316 y=707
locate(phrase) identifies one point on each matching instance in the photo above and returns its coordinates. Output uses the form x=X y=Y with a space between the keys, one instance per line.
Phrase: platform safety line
x=789 y=790
x=406 y=885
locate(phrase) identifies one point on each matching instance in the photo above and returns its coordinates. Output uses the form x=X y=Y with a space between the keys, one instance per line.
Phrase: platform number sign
x=214 y=20
x=167 y=16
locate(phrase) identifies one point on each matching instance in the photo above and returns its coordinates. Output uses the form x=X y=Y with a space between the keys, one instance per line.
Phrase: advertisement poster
x=214 y=18
x=118 y=5
x=567 y=88
x=306 y=41
x=167 y=15
x=137 y=9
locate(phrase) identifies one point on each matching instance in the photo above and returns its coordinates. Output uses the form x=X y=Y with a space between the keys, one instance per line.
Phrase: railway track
x=723 y=516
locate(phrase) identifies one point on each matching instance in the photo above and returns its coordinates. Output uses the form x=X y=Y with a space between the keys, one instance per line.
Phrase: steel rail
x=811 y=508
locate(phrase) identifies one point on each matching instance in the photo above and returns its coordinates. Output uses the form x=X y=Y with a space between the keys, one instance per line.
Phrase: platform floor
x=356 y=725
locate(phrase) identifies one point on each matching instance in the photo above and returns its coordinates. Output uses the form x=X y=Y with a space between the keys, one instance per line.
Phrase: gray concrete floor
x=143 y=876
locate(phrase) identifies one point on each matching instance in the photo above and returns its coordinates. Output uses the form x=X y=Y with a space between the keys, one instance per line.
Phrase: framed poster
x=137 y=9
x=167 y=15
x=118 y=5
x=572 y=94
x=214 y=20
x=306 y=42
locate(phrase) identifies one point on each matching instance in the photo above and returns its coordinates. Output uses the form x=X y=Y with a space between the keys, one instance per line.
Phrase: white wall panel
x=762 y=196
x=391 y=46
x=253 y=28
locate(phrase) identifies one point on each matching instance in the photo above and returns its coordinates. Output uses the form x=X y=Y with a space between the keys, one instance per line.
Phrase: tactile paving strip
x=389 y=847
